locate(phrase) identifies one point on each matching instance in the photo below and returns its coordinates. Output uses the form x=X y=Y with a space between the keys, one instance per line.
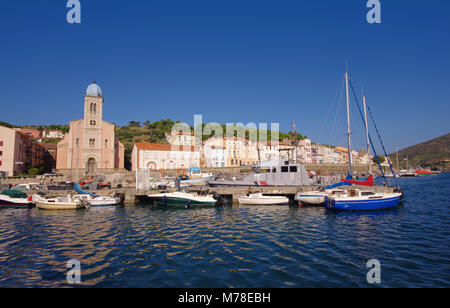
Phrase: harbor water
x=239 y=246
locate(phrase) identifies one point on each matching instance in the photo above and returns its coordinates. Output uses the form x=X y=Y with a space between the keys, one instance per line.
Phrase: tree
x=382 y=159
x=134 y=123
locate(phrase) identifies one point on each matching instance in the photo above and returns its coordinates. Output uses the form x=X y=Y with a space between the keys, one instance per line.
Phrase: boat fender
x=188 y=204
x=164 y=200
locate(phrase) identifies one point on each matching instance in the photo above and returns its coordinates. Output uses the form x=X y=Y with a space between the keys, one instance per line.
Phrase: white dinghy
x=260 y=199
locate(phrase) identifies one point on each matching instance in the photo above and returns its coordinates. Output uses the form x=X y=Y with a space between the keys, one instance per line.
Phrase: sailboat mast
x=367 y=134
x=397 y=161
x=348 y=126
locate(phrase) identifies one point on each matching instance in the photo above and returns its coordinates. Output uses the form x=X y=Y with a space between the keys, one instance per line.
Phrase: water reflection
x=238 y=246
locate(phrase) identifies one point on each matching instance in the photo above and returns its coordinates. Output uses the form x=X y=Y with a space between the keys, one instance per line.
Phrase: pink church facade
x=91 y=145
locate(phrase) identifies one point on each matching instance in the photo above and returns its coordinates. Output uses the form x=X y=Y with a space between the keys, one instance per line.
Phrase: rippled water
x=274 y=246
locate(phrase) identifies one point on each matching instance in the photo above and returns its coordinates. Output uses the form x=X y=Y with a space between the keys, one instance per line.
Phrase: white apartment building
x=304 y=151
x=163 y=156
x=215 y=156
x=54 y=134
x=181 y=138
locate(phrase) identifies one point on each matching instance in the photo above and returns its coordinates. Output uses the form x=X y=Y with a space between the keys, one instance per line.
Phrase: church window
x=106 y=143
x=93 y=108
x=92 y=123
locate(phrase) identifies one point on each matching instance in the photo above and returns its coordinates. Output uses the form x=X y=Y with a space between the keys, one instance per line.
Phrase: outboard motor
x=85 y=204
x=121 y=198
x=220 y=200
x=177 y=184
x=399 y=190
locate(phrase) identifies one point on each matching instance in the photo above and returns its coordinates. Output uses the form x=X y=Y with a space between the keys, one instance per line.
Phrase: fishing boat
x=96 y=200
x=360 y=200
x=183 y=198
x=271 y=173
x=426 y=172
x=407 y=173
x=259 y=199
x=59 y=203
x=194 y=176
x=14 y=198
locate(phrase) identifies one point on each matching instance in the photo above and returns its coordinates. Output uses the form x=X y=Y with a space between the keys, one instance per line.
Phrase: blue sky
x=231 y=61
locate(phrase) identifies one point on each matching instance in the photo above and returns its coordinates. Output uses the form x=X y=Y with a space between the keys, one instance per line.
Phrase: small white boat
x=98 y=200
x=260 y=199
x=318 y=197
x=59 y=203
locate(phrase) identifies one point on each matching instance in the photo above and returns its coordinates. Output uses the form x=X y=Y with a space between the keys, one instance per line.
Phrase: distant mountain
x=434 y=153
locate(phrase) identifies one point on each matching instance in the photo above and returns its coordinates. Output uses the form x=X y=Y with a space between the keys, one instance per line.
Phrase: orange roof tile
x=162 y=147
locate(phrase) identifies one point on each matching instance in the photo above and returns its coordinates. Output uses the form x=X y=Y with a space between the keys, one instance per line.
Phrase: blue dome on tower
x=94 y=90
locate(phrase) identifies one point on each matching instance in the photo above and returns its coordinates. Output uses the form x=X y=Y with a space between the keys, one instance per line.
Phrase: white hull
x=259 y=199
x=98 y=201
x=8 y=201
x=182 y=196
x=311 y=199
x=59 y=203
x=315 y=197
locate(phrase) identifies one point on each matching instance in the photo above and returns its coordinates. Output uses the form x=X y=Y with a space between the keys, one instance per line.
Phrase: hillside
x=429 y=154
x=155 y=133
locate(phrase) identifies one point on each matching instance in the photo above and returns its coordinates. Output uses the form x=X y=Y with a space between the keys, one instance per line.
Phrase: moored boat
x=360 y=200
x=260 y=199
x=14 y=198
x=194 y=176
x=426 y=172
x=59 y=203
x=98 y=200
x=182 y=198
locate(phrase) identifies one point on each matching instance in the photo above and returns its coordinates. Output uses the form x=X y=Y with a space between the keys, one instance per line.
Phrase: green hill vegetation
x=155 y=132
x=434 y=154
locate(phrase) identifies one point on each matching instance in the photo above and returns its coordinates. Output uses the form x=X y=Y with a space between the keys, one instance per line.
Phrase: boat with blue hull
x=359 y=200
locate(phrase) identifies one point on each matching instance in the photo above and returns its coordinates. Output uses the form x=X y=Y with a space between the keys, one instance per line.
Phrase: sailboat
x=321 y=197
x=358 y=199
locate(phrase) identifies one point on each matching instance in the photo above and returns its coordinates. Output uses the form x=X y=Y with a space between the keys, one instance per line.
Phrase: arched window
x=106 y=143
x=93 y=108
